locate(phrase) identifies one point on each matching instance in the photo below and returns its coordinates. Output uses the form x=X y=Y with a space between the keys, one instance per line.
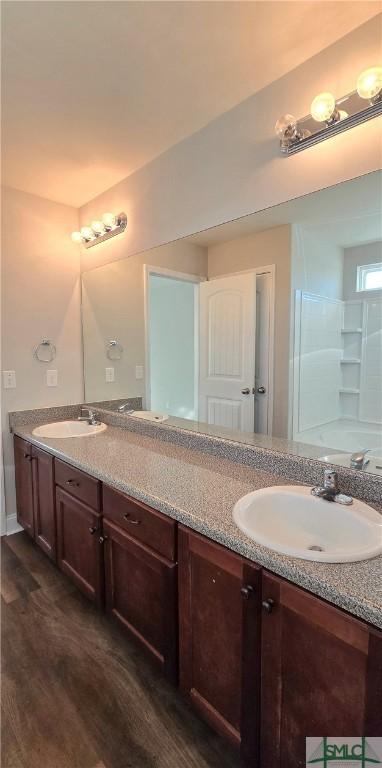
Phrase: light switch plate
x=139 y=371
x=52 y=378
x=109 y=375
x=9 y=379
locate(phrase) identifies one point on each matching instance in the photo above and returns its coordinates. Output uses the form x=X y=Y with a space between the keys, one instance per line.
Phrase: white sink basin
x=68 y=429
x=288 y=519
x=149 y=415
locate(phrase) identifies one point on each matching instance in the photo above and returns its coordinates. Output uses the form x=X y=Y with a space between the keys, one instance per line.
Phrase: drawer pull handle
x=92 y=530
x=268 y=605
x=247 y=592
x=130 y=520
x=73 y=483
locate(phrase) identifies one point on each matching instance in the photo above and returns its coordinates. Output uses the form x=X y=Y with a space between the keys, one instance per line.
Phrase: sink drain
x=316 y=548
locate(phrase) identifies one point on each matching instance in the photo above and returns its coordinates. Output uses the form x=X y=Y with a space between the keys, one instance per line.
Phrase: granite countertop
x=200 y=490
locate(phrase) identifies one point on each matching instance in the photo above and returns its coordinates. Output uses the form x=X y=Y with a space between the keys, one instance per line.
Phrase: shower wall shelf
x=351 y=330
x=351 y=361
x=349 y=391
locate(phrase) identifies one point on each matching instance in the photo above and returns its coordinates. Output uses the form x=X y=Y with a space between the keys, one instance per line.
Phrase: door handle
x=261 y=390
x=246 y=391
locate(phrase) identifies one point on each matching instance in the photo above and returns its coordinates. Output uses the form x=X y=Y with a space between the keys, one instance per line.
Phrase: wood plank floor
x=75 y=692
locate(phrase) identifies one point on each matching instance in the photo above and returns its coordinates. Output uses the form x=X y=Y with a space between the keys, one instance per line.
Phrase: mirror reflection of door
x=227 y=352
x=235 y=352
x=209 y=348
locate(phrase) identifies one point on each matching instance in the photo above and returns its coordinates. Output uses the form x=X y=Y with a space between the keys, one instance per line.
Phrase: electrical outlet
x=109 y=375
x=52 y=378
x=9 y=379
x=139 y=371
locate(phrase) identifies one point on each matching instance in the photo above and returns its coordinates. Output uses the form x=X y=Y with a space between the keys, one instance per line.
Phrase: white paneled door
x=227 y=351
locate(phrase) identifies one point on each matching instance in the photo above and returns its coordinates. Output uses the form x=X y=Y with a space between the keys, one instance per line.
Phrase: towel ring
x=45 y=351
x=114 y=350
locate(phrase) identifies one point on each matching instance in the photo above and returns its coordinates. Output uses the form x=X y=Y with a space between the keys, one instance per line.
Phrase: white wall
x=233 y=166
x=317 y=262
x=113 y=308
x=40 y=299
x=370 y=253
x=318 y=351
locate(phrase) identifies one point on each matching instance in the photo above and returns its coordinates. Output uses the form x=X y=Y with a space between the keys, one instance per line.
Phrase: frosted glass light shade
x=98 y=227
x=369 y=83
x=87 y=233
x=108 y=220
x=322 y=107
x=76 y=237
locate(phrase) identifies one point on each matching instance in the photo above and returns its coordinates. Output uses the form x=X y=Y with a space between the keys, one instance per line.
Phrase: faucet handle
x=331 y=480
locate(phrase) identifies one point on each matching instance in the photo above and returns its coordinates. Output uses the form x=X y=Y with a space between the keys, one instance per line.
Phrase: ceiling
x=93 y=90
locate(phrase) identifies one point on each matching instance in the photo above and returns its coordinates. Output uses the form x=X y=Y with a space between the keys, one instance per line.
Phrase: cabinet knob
x=28 y=456
x=102 y=539
x=92 y=530
x=268 y=605
x=247 y=592
x=72 y=482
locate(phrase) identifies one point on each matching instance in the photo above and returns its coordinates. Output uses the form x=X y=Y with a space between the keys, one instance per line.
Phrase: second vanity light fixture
x=101 y=230
x=329 y=116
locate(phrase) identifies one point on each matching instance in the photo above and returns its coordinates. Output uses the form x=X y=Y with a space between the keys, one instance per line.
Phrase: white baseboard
x=12 y=525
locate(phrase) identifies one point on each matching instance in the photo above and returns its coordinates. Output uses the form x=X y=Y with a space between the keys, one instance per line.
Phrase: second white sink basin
x=288 y=519
x=374 y=463
x=73 y=428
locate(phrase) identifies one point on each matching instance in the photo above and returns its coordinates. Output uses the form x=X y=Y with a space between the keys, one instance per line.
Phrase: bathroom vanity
x=268 y=649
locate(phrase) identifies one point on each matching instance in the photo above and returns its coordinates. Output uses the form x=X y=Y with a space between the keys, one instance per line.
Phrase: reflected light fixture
x=329 y=116
x=101 y=229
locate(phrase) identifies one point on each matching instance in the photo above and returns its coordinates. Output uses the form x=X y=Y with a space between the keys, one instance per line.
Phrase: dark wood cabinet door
x=321 y=674
x=219 y=638
x=141 y=593
x=79 y=551
x=24 y=484
x=44 y=501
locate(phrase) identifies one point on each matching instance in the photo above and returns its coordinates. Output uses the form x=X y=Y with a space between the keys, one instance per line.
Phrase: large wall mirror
x=262 y=328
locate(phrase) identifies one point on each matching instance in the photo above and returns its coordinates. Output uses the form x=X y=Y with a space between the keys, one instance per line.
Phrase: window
x=369 y=277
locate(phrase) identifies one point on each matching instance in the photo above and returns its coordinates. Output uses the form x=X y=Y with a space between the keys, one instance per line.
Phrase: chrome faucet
x=358 y=460
x=91 y=417
x=125 y=408
x=330 y=490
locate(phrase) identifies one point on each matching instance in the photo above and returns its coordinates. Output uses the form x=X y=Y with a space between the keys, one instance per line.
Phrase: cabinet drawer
x=78 y=484
x=140 y=521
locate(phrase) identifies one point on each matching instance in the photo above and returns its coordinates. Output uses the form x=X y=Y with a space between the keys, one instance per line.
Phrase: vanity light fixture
x=329 y=116
x=101 y=230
